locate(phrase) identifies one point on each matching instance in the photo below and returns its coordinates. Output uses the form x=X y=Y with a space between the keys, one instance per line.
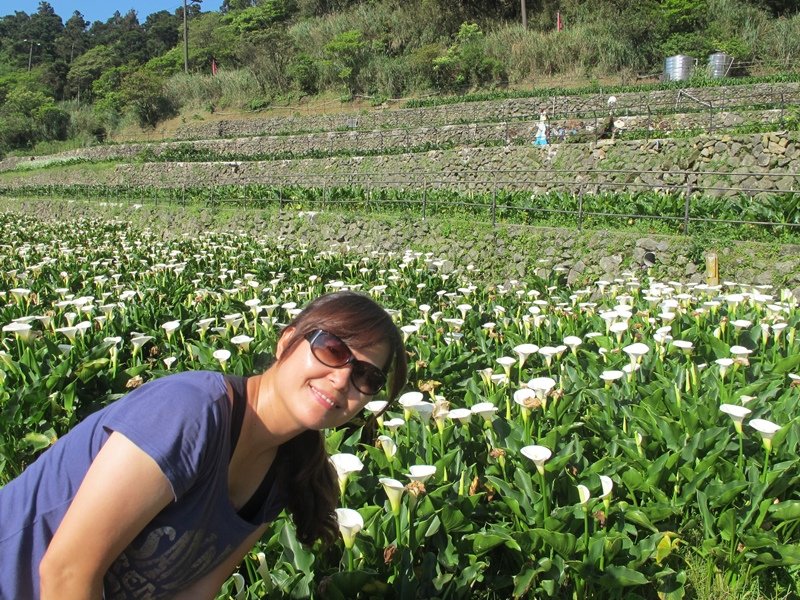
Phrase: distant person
x=541 y=130
x=162 y=493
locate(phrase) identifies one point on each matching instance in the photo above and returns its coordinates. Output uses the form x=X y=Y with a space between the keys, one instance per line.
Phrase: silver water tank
x=720 y=65
x=678 y=68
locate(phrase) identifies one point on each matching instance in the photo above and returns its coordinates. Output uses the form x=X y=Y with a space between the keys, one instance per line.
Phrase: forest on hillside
x=65 y=82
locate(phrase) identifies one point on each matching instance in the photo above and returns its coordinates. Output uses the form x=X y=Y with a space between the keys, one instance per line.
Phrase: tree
x=348 y=52
x=143 y=93
x=44 y=28
x=162 y=31
x=73 y=41
x=88 y=67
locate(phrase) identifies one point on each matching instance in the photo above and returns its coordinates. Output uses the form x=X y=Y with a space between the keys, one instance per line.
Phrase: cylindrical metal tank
x=720 y=65
x=678 y=68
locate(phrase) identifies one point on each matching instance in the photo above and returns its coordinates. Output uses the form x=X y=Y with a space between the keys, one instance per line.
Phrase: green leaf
x=787 y=365
x=616 y=576
x=563 y=543
x=788 y=510
x=483 y=542
x=40 y=441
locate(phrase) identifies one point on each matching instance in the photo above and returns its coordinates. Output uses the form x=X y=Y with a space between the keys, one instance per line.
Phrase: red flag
x=213 y=67
x=559 y=23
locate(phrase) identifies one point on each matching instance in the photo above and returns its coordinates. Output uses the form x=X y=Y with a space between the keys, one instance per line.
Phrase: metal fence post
x=494 y=206
x=424 y=199
x=686 y=209
x=580 y=209
x=711 y=117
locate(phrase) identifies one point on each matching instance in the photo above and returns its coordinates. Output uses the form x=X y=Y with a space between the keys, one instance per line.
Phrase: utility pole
x=186 y=40
x=524 y=12
x=30 y=52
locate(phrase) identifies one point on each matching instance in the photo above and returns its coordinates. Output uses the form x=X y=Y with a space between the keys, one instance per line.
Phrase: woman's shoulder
x=192 y=383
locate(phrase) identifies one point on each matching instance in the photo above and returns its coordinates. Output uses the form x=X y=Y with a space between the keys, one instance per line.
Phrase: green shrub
x=465 y=63
x=304 y=73
x=144 y=95
x=53 y=123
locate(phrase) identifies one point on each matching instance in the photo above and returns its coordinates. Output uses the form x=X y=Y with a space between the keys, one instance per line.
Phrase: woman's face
x=319 y=396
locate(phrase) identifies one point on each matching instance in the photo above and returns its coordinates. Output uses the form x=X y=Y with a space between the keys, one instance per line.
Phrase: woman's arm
x=124 y=489
x=208 y=587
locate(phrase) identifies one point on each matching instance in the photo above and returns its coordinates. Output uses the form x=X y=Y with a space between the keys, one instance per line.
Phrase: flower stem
x=766 y=466
x=543 y=491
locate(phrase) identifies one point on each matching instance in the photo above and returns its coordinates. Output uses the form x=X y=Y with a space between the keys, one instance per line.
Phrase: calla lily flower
x=611 y=376
x=463 y=415
x=724 y=364
x=170 y=327
x=394 y=491
x=740 y=351
x=573 y=341
x=222 y=355
x=737 y=413
x=636 y=351
x=538 y=454
x=684 y=346
x=393 y=423
x=242 y=341
x=584 y=495
x=389 y=446
x=350 y=523
x=345 y=464
x=542 y=387
x=767 y=429
x=524 y=351
x=607 y=485
x=409 y=400
x=421 y=473
x=485 y=410
x=22 y=330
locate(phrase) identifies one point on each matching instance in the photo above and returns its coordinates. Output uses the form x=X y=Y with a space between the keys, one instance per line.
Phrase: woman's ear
x=283 y=341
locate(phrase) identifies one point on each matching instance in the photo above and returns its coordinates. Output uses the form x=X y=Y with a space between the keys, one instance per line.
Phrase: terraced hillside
x=720 y=162
x=722 y=139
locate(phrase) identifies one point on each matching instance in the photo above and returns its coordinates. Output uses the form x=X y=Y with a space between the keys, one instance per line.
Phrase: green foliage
x=89 y=67
x=169 y=63
x=465 y=63
x=261 y=16
x=143 y=93
x=348 y=52
x=304 y=74
x=53 y=122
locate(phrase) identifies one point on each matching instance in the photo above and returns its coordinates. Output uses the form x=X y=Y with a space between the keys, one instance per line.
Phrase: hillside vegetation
x=66 y=83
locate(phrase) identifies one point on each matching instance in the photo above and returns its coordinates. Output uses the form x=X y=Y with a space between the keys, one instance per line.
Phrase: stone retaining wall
x=719 y=165
x=723 y=98
x=388 y=141
x=500 y=253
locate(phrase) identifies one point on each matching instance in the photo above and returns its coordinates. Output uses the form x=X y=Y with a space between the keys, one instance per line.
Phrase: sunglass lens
x=331 y=350
x=368 y=378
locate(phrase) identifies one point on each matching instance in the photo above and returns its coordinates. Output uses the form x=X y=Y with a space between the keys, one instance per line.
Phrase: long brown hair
x=307 y=473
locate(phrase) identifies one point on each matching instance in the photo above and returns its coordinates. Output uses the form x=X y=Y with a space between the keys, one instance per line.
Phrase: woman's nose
x=340 y=377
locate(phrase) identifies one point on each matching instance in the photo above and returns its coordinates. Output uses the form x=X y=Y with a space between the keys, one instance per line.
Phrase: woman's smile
x=324 y=399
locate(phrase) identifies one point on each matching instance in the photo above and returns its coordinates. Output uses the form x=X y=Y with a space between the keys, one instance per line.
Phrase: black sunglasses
x=333 y=352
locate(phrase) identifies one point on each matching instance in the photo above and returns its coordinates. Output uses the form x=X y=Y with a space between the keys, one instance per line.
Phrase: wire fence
x=576 y=198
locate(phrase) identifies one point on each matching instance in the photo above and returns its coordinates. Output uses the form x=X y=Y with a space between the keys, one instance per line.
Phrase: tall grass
x=228 y=88
x=588 y=48
x=599 y=41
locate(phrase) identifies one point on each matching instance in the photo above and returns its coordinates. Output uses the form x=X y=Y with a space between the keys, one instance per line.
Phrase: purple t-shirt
x=183 y=422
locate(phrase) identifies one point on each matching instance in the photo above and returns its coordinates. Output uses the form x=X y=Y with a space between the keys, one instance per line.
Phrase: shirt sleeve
x=182 y=421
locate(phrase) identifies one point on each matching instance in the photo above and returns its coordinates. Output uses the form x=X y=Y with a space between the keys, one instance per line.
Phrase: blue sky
x=97 y=10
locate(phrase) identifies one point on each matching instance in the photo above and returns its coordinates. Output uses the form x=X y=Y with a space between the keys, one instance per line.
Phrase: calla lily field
x=631 y=438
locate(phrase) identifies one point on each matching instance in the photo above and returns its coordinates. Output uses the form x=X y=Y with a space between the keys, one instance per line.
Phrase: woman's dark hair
x=308 y=475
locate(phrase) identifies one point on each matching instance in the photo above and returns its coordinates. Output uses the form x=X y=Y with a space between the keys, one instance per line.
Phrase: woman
x=162 y=493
